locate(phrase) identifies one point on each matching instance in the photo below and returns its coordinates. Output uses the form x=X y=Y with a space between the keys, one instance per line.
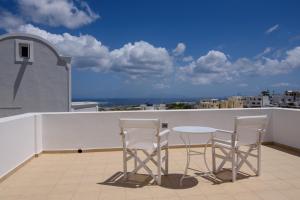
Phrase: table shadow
x=170 y=181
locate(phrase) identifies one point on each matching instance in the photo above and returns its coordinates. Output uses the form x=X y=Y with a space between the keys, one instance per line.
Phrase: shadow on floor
x=132 y=181
x=284 y=149
x=171 y=181
x=225 y=176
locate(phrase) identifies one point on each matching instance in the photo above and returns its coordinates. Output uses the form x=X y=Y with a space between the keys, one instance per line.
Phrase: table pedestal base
x=189 y=153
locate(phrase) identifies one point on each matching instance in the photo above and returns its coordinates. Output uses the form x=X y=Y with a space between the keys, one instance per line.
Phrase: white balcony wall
x=22 y=136
x=20 y=139
x=286 y=127
x=99 y=130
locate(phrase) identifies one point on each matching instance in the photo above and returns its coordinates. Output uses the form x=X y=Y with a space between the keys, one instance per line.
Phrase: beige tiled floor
x=84 y=176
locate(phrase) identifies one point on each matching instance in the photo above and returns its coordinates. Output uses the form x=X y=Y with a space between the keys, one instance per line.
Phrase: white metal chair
x=144 y=135
x=248 y=132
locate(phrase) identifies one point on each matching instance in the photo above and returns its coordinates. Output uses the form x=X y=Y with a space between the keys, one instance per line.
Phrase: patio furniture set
x=146 y=136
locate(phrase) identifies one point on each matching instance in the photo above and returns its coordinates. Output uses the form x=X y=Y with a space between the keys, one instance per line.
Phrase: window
x=24 y=51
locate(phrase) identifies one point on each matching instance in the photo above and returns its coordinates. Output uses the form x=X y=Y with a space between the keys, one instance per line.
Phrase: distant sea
x=109 y=102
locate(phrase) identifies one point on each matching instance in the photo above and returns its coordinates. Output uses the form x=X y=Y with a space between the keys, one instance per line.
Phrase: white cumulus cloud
x=215 y=66
x=68 y=13
x=139 y=59
x=87 y=51
x=187 y=59
x=180 y=49
x=212 y=67
x=8 y=21
x=143 y=60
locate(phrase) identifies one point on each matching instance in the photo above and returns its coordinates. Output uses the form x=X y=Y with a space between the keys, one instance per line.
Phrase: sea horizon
x=108 y=102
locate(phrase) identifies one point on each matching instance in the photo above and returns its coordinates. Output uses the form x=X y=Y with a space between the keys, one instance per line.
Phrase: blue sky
x=167 y=48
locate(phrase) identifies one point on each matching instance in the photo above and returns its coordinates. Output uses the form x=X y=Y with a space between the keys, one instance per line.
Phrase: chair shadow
x=225 y=176
x=170 y=181
x=132 y=180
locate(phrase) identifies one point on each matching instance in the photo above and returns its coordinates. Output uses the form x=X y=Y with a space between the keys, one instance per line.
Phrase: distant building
x=290 y=99
x=262 y=100
x=209 y=104
x=146 y=107
x=223 y=104
x=153 y=107
x=265 y=101
x=277 y=100
x=231 y=102
x=84 y=107
x=235 y=102
x=162 y=106
x=252 y=101
x=34 y=77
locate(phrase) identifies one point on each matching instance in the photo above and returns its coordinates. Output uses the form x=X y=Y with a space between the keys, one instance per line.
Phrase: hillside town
x=289 y=99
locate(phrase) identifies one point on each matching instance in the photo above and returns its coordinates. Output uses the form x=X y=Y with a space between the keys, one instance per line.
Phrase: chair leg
x=258 y=160
x=213 y=149
x=238 y=160
x=158 y=179
x=135 y=160
x=125 y=163
x=233 y=157
x=167 y=160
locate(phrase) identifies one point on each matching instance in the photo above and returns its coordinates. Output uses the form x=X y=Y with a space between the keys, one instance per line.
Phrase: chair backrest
x=248 y=129
x=140 y=129
x=127 y=123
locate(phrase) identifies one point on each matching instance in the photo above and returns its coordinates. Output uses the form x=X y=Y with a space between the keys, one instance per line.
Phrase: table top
x=194 y=129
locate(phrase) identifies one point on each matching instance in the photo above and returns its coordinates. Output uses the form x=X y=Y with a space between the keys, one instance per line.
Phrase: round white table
x=184 y=133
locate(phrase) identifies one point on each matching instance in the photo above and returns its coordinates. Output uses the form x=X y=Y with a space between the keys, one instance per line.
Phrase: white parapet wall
x=100 y=130
x=286 y=127
x=23 y=136
x=20 y=139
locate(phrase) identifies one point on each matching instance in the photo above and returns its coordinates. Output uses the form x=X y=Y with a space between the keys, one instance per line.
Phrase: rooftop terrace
x=97 y=175
x=87 y=176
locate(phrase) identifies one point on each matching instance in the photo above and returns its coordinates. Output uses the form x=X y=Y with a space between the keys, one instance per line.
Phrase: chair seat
x=150 y=146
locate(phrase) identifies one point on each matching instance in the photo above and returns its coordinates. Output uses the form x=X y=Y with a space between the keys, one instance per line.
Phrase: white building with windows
x=34 y=77
x=288 y=99
x=153 y=107
x=256 y=101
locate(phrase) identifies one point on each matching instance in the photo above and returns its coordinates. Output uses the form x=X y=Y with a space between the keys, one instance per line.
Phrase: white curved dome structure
x=34 y=77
